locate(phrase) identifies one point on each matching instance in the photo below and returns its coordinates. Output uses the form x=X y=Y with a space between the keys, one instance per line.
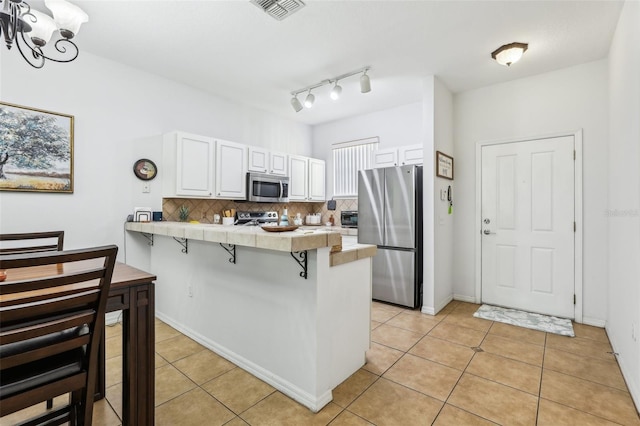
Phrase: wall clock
x=145 y=169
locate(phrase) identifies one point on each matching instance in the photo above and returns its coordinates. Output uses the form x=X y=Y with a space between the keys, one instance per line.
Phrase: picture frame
x=36 y=150
x=444 y=165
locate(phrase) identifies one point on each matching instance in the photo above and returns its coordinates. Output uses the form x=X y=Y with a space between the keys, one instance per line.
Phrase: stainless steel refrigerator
x=390 y=216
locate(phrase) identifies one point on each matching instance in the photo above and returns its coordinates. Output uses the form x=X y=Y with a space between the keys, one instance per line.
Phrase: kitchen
x=106 y=190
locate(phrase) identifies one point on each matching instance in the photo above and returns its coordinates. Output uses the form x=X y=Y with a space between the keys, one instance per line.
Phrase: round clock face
x=145 y=169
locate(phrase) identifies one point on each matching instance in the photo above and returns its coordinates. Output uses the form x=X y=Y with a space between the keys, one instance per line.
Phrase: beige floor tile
x=238 y=389
x=375 y=324
x=277 y=409
x=603 y=371
x=428 y=377
x=603 y=401
x=525 y=335
x=203 y=366
x=388 y=307
x=519 y=375
x=159 y=361
x=554 y=414
x=114 y=396
x=509 y=348
x=410 y=321
x=466 y=307
x=388 y=403
x=456 y=334
x=590 y=332
x=580 y=346
x=443 y=352
x=171 y=383
x=493 y=401
x=395 y=337
x=113 y=347
x=103 y=414
x=347 y=418
x=193 y=408
x=466 y=319
x=113 y=330
x=164 y=331
x=380 y=358
x=237 y=421
x=381 y=314
x=113 y=373
x=177 y=347
x=346 y=392
x=453 y=416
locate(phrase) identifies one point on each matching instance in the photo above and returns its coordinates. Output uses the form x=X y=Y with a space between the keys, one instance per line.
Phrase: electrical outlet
x=146 y=187
x=190 y=291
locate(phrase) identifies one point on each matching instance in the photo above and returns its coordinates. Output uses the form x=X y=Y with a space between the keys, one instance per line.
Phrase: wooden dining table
x=132 y=292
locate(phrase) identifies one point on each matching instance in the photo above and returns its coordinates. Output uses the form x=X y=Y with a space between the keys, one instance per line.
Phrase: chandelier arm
x=63 y=45
x=35 y=51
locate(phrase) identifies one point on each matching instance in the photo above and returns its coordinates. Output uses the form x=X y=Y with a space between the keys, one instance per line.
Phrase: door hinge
x=574 y=299
x=574 y=227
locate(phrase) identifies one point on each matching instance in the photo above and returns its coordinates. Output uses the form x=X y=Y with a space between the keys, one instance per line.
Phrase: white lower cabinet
x=306 y=179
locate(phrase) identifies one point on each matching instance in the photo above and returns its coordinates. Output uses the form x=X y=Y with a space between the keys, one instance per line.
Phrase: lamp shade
x=365 y=83
x=42 y=27
x=295 y=103
x=68 y=17
x=509 y=53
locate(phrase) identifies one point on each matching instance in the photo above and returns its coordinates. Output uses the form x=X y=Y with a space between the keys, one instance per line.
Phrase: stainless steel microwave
x=262 y=188
x=349 y=218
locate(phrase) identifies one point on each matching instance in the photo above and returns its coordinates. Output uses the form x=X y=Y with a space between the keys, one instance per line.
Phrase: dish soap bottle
x=284 y=219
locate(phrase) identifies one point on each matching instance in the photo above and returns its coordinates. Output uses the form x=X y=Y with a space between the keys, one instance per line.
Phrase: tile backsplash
x=203 y=210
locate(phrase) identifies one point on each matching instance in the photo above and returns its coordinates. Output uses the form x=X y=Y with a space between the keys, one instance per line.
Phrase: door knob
x=487 y=232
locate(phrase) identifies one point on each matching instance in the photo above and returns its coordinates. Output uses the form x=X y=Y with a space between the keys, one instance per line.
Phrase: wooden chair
x=33 y=242
x=52 y=310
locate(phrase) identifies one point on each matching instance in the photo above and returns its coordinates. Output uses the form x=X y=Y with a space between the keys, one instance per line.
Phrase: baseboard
x=427 y=310
x=594 y=322
x=312 y=403
x=631 y=385
x=463 y=298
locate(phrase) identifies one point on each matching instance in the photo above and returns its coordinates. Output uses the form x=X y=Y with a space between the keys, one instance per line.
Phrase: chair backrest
x=32 y=242
x=52 y=308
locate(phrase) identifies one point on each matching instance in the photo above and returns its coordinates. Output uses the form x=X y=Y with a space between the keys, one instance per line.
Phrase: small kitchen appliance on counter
x=349 y=218
x=257 y=218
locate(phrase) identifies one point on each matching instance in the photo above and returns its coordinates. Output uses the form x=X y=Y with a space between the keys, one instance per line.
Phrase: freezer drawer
x=394 y=279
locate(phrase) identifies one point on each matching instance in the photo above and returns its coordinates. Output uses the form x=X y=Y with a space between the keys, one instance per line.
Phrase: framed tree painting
x=36 y=150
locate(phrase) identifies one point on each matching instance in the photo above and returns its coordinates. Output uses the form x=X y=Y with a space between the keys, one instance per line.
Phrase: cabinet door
x=411 y=154
x=258 y=160
x=194 y=165
x=298 y=178
x=278 y=164
x=316 y=180
x=231 y=170
x=385 y=158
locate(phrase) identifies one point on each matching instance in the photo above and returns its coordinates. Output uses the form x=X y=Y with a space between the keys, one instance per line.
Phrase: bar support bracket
x=184 y=243
x=149 y=238
x=231 y=249
x=301 y=258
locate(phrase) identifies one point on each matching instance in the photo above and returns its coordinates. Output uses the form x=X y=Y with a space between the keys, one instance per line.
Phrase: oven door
x=266 y=189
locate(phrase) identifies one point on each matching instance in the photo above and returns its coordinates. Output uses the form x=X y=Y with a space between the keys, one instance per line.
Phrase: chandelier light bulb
x=335 y=92
x=309 y=100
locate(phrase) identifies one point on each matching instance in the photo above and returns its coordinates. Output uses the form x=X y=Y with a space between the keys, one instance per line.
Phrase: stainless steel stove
x=257 y=218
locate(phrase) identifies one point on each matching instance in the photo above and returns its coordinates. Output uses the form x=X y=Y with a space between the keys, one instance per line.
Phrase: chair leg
x=49 y=404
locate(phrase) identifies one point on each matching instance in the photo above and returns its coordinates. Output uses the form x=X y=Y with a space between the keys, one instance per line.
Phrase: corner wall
x=561 y=101
x=623 y=218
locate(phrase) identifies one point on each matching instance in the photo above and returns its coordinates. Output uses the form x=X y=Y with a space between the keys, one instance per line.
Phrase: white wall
x=560 y=101
x=624 y=196
x=395 y=127
x=120 y=113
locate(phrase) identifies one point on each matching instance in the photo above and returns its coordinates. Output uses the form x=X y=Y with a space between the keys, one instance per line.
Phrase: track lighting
x=309 y=100
x=336 y=91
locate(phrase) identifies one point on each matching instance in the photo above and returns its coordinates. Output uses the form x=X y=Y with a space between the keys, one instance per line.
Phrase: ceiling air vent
x=279 y=9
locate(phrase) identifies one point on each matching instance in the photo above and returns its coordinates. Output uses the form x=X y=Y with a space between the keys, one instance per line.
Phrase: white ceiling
x=234 y=50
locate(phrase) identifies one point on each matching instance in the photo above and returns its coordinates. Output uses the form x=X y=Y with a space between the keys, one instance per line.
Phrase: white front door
x=528 y=225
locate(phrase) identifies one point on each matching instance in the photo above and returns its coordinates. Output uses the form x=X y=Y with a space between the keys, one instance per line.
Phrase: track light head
x=365 y=83
x=309 y=100
x=295 y=103
x=335 y=92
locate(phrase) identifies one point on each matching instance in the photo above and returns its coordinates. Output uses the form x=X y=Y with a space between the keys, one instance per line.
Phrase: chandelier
x=31 y=30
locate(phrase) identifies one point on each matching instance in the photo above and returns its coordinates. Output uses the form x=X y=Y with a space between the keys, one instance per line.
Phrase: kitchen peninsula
x=280 y=305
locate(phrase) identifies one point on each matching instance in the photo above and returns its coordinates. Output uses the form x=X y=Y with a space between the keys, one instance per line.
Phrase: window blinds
x=348 y=158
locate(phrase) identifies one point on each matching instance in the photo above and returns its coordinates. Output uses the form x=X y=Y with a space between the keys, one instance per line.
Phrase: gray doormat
x=524 y=319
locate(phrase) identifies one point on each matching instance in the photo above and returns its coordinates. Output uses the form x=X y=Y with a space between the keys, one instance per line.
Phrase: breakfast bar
x=292 y=308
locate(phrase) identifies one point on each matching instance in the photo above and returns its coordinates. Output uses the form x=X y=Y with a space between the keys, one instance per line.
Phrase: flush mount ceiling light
x=509 y=53
x=31 y=30
x=365 y=87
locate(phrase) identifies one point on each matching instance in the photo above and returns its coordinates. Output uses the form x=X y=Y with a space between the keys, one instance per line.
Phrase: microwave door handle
x=281 y=189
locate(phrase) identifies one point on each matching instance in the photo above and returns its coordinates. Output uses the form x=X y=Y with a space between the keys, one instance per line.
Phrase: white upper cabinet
x=390 y=157
x=306 y=179
x=188 y=162
x=264 y=161
x=231 y=170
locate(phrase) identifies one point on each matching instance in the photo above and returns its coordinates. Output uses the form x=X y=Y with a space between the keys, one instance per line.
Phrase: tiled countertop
x=303 y=238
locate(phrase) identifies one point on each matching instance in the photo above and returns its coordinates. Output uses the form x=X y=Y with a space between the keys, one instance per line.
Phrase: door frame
x=577 y=200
